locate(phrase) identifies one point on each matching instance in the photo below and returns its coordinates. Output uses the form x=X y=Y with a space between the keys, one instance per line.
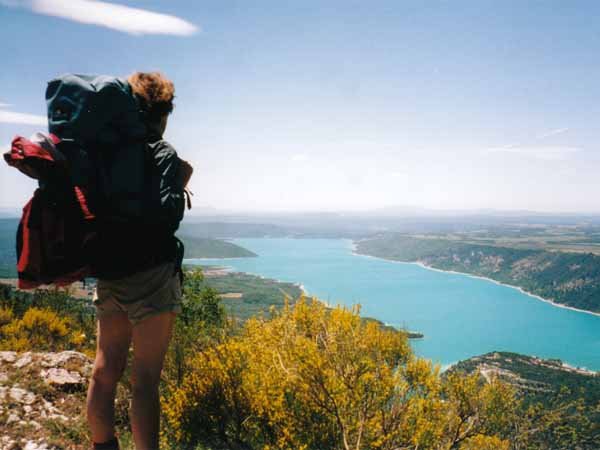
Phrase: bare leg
x=150 y=342
x=114 y=337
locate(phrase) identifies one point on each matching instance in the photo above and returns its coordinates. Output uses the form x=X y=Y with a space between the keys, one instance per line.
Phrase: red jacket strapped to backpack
x=56 y=226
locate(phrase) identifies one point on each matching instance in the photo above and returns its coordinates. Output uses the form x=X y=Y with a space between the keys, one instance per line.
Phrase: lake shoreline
x=412 y=335
x=480 y=277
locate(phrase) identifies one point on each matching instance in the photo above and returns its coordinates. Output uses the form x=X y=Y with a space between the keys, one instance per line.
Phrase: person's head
x=155 y=94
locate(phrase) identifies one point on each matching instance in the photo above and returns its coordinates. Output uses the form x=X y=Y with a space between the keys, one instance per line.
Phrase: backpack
x=56 y=231
x=103 y=137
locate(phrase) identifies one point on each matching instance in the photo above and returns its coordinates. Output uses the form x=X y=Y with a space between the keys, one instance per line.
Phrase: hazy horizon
x=340 y=106
x=390 y=210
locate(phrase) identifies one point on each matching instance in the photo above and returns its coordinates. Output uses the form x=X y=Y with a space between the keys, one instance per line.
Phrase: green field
x=257 y=294
x=575 y=237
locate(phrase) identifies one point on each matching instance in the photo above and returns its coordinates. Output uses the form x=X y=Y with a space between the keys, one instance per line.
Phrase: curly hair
x=154 y=92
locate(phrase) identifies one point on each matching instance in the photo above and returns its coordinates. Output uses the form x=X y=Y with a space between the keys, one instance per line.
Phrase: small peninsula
x=196 y=247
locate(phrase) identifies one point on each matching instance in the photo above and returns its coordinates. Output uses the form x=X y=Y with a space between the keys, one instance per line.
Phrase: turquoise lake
x=460 y=316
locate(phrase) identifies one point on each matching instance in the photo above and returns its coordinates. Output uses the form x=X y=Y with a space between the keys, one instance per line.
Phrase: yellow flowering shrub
x=6 y=316
x=481 y=442
x=316 y=378
x=40 y=329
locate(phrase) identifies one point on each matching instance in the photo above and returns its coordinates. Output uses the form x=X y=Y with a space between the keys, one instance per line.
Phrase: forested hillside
x=213 y=248
x=538 y=379
x=571 y=279
x=8 y=259
x=547 y=385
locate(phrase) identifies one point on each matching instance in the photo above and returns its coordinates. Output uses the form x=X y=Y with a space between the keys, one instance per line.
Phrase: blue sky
x=327 y=105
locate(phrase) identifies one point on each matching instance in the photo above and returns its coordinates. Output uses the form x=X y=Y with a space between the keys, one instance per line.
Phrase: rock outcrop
x=40 y=395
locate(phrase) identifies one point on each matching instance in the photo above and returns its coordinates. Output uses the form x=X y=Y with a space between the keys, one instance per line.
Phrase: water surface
x=460 y=316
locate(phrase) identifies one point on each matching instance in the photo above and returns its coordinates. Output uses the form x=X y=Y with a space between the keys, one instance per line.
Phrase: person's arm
x=171 y=185
x=186 y=172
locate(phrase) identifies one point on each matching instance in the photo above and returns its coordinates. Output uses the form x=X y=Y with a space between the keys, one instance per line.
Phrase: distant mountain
x=6 y=212
x=205 y=229
x=202 y=210
x=351 y=224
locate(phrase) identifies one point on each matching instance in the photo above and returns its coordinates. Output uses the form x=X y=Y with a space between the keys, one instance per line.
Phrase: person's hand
x=186 y=171
x=22 y=167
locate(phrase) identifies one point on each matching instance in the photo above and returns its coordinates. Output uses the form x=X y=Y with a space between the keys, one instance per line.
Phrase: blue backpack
x=103 y=137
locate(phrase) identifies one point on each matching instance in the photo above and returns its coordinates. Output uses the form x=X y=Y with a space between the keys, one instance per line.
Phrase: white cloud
x=300 y=157
x=544 y=153
x=22 y=118
x=553 y=133
x=110 y=15
x=4 y=105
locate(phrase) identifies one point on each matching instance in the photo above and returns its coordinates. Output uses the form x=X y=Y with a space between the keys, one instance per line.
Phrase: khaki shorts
x=140 y=295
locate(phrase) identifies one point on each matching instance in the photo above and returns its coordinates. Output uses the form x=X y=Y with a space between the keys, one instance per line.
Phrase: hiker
x=138 y=266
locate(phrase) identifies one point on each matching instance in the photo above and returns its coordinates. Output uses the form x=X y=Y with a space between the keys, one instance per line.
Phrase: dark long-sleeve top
x=127 y=248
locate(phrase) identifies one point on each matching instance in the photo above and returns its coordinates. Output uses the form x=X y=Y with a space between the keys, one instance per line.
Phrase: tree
x=200 y=321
